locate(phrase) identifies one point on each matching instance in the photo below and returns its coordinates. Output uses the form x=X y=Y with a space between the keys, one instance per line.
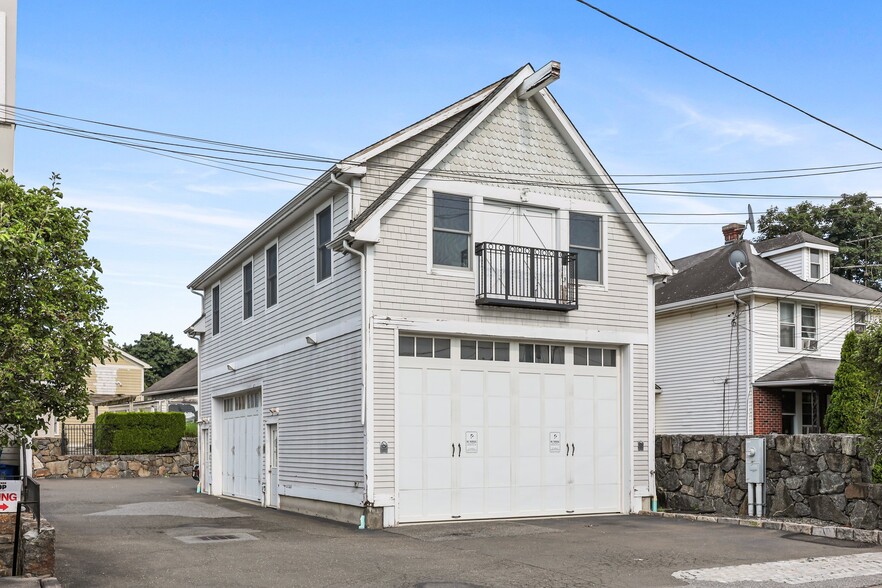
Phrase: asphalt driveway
x=158 y=532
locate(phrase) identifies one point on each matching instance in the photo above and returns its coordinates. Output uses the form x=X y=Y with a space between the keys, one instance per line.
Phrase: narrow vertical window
x=809 y=323
x=585 y=241
x=247 y=290
x=860 y=320
x=814 y=264
x=787 y=324
x=322 y=238
x=215 y=310
x=272 y=275
x=452 y=229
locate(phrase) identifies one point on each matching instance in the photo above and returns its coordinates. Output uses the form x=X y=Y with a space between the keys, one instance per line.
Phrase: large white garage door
x=241 y=446
x=499 y=429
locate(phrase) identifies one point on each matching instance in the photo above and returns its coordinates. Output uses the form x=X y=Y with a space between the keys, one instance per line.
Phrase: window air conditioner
x=809 y=344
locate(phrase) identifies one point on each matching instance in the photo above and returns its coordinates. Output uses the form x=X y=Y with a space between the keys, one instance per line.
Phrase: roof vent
x=732 y=232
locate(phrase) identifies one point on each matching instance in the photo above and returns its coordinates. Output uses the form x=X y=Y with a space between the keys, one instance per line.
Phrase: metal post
x=507 y=270
x=16 y=549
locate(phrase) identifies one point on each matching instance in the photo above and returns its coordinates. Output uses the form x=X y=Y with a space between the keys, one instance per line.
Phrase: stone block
x=736 y=496
x=715 y=486
x=864 y=535
x=802 y=510
x=784 y=444
x=122 y=465
x=676 y=444
x=857 y=491
x=864 y=515
x=802 y=464
x=134 y=465
x=850 y=444
x=816 y=445
x=774 y=525
x=822 y=507
x=775 y=461
x=794 y=482
x=111 y=472
x=750 y=523
x=797 y=528
x=94 y=474
x=729 y=463
x=837 y=462
x=703 y=451
x=820 y=531
x=733 y=446
x=831 y=483
x=739 y=476
x=143 y=473
x=58 y=468
x=782 y=502
x=729 y=520
x=678 y=460
x=687 y=477
x=730 y=479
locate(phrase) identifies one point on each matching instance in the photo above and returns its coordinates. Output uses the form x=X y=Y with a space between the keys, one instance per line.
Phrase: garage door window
x=484 y=350
x=530 y=353
x=423 y=347
x=594 y=356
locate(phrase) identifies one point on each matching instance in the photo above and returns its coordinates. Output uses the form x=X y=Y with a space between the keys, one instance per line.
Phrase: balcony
x=526 y=277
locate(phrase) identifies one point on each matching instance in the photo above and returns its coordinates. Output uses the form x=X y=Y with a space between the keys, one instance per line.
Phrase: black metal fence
x=77 y=439
x=512 y=275
x=30 y=502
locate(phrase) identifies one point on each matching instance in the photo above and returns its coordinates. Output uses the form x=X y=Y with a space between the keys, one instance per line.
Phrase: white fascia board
x=713 y=298
x=255 y=237
x=561 y=121
x=786 y=383
x=789 y=294
x=512 y=331
x=370 y=231
x=783 y=250
x=414 y=130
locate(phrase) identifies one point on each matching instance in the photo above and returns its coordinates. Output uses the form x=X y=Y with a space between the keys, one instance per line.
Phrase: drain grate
x=218 y=537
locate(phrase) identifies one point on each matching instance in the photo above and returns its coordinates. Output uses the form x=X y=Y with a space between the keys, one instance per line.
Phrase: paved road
x=158 y=532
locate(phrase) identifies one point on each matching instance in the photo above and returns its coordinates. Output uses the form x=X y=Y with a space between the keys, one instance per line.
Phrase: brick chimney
x=732 y=232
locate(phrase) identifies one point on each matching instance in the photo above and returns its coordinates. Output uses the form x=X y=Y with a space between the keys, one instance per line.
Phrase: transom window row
x=242 y=402
x=482 y=350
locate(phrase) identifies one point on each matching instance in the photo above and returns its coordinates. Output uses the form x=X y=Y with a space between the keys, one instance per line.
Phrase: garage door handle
x=574 y=449
x=568 y=448
x=459 y=447
x=452 y=450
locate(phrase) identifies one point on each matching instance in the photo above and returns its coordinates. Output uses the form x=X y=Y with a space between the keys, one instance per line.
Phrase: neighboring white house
x=750 y=343
x=406 y=339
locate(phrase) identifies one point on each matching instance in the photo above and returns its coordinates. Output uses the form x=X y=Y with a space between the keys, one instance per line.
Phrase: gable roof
x=183 y=378
x=708 y=273
x=789 y=240
x=476 y=106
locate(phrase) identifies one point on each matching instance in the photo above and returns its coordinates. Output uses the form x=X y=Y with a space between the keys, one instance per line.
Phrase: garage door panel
x=555 y=414
x=436 y=411
x=437 y=442
x=498 y=384
x=529 y=414
x=498 y=472
x=498 y=412
x=498 y=442
x=410 y=444
x=472 y=412
x=471 y=384
x=411 y=474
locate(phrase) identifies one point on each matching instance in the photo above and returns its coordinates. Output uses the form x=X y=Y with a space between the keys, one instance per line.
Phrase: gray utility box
x=755 y=460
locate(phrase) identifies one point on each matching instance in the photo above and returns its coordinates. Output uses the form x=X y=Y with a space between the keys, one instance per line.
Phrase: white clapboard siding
x=641 y=418
x=794 y=262
x=834 y=322
x=516 y=138
x=696 y=352
x=317 y=389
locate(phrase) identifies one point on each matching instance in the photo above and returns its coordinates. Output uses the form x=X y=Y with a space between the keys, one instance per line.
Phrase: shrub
x=139 y=432
x=191 y=430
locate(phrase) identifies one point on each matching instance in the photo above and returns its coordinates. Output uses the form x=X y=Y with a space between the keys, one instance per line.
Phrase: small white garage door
x=241 y=446
x=499 y=429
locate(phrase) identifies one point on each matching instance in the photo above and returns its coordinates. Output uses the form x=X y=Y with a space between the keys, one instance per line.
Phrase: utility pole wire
x=728 y=75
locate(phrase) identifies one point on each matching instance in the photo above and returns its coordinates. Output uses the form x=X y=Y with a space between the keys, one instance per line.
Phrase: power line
x=728 y=75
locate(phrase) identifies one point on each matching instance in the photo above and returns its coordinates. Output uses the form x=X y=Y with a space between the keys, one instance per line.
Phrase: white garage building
x=453 y=323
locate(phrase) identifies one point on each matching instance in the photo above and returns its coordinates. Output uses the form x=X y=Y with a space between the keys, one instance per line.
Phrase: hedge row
x=139 y=432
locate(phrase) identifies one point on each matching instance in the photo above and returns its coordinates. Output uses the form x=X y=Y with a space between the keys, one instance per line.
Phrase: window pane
x=502 y=351
x=485 y=350
x=452 y=212
x=788 y=403
x=557 y=354
x=542 y=355
x=424 y=347
x=584 y=230
x=246 y=290
x=609 y=357
x=788 y=314
x=271 y=275
x=405 y=346
x=450 y=249
x=595 y=356
x=526 y=353
x=467 y=349
x=442 y=348
x=580 y=355
x=587 y=264
x=215 y=310
x=788 y=336
x=323 y=229
x=324 y=263
x=323 y=237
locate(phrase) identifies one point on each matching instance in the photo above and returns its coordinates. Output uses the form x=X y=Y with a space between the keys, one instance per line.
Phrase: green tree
x=161 y=352
x=868 y=357
x=852 y=398
x=854 y=223
x=52 y=324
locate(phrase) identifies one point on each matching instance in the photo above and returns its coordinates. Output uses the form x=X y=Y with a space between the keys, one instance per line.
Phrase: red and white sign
x=10 y=494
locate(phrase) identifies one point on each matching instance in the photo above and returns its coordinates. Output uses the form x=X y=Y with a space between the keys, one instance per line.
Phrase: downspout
x=349 y=203
x=738 y=367
x=202 y=452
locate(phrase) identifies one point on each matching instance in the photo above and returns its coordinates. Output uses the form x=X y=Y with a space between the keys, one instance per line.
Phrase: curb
x=832 y=531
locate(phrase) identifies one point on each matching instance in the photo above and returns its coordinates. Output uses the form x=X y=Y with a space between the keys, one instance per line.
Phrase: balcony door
x=527 y=227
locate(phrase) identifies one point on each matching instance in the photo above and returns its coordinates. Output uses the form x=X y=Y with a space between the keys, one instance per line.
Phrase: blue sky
x=329 y=78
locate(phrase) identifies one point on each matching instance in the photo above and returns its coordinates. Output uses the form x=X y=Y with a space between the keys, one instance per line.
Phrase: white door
x=272 y=443
x=241 y=446
x=500 y=438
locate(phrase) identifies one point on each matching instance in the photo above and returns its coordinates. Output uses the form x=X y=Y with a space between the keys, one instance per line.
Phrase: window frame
x=797 y=325
x=794 y=325
x=813 y=265
x=267 y=277
x=859 y=326
x=469 y=268
x=248 y=294
x=319 y=246
x=215 y=309
x=601 y=232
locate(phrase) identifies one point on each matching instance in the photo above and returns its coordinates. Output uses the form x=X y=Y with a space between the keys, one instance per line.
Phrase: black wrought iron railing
x=526 y=277
x=77 y=439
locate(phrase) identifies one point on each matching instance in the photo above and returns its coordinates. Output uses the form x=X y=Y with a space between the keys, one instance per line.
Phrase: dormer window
x=814 y=264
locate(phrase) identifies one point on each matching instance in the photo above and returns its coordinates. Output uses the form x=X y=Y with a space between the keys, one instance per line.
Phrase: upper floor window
x=814 y=264
x=247 y=290
x=860 y=319
x=585 y=241
x=215 y=310
x=272 y=275
x=799 y=318
x=322 y=238
x=451 y=231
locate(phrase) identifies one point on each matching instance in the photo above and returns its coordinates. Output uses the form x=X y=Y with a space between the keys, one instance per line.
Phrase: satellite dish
x=750 y=221
x=738 y=260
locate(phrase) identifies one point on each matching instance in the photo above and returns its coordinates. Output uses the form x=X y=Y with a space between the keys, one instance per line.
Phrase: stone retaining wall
x=50 y=463
x=807 y=476
x=38 y=547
